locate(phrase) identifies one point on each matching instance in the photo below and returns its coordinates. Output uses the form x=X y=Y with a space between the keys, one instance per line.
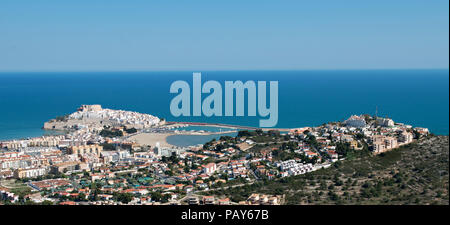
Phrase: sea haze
x=306 y=98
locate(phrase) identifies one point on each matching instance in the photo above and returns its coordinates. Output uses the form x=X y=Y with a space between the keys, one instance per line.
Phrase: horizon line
x=207 y=70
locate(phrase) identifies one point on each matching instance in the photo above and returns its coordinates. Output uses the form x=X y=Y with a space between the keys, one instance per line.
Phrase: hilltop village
x=95 y=161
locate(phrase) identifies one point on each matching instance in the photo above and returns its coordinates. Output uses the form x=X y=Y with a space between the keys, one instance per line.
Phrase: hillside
x=414 y=174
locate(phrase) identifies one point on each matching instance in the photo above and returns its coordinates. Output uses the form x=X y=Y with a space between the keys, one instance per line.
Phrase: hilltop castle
x=85 y=108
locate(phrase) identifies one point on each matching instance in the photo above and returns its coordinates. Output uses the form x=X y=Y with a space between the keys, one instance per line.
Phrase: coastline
x=228 y=126
x=151 y=139
x=427 y=108
x=145 y=138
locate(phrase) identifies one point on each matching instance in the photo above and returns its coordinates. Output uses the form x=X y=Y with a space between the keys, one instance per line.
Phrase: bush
x=111 y=133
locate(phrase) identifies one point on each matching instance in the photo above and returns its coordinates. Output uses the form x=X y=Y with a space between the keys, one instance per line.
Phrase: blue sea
x=306 y=98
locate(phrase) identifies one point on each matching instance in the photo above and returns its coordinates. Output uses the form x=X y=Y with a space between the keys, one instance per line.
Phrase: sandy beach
x=151 y=139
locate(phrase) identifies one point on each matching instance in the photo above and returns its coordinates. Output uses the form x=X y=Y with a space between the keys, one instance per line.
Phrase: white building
x=355 y=121
x=209 y=168
x=28 y=173
x=292 y=168
x=385 y=122
x=406 y=137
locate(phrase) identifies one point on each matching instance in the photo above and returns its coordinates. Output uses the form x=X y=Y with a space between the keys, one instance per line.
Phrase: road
x=226 y=187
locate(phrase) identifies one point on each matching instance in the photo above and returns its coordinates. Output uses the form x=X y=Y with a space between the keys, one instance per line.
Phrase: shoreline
x=163 y=140
x=153 y=138
x=229 y=126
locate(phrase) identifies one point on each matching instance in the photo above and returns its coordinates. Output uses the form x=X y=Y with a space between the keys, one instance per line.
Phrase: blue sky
x=91 y=35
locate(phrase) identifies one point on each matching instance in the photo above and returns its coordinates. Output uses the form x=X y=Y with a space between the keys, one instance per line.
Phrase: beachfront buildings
x=45 y=141
x=85 y=149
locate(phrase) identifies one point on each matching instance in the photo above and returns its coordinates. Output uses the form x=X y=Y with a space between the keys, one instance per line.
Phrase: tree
x=111 y=133
x=343 y=148
x=273 y=133
x=333 y=196
x=47 y=202
x=131 y=130
x=81 y=197
x=123 y=197
x=244 y=133
x=156 y=196
x=165 y=198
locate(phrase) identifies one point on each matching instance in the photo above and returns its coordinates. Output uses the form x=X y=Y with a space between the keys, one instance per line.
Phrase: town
x=96 y=161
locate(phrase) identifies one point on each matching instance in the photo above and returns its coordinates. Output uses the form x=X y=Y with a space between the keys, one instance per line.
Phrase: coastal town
x=115 y=157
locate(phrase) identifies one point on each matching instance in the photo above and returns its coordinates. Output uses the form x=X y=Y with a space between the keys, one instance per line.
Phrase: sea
x=306 y=98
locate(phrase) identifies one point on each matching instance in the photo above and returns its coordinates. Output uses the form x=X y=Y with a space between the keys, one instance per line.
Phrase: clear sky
x=92 y=35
